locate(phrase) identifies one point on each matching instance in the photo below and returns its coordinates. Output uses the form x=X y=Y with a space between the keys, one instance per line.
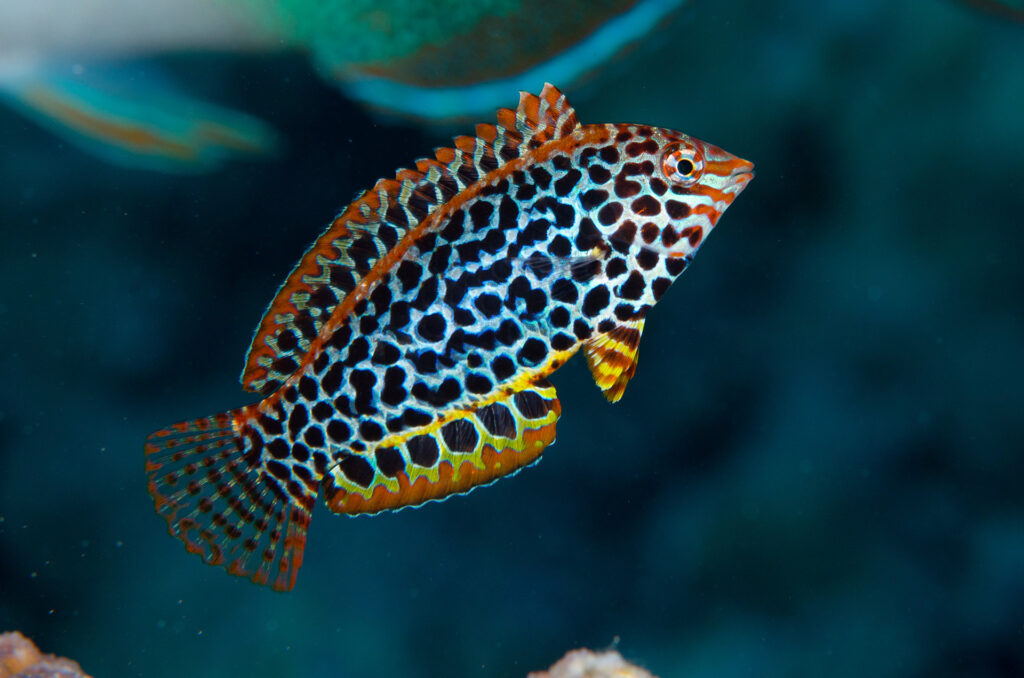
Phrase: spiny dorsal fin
x=374 y=223
x=612 y=357
x=540 y=119
x=470 y=449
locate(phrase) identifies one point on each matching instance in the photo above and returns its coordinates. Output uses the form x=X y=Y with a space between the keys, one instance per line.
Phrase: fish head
x=673 y=188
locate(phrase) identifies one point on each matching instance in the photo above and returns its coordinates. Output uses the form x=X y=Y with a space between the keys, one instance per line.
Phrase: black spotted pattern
x=519 y=275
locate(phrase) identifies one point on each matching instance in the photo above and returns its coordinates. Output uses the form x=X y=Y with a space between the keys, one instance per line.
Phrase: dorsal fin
x=540 y=119
x=612 y=357
x=330 y=269
x=374 y=223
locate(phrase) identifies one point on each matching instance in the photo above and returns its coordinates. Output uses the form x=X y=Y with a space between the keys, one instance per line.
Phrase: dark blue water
x=816 y=470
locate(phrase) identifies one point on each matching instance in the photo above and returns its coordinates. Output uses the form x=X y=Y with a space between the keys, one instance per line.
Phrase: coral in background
x=20 y=658
x=587 y=664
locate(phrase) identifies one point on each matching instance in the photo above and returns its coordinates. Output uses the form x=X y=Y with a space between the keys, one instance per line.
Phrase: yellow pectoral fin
x=612 y=357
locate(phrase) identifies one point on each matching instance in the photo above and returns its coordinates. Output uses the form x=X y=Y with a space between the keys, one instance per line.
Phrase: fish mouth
x=742 y=173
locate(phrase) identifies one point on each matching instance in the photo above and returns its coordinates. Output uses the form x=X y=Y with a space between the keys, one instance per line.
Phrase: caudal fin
x=209 y=481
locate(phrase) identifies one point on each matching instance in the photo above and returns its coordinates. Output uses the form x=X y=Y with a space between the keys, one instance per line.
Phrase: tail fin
x=210 y=481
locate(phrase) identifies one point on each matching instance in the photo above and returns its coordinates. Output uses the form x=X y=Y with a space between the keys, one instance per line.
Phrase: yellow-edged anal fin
x=612 y=357
x=470 y=449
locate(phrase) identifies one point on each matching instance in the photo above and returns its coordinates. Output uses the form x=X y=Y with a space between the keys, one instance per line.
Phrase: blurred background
x=816 y=471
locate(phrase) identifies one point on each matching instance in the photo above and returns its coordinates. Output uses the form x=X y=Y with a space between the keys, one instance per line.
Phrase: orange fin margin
x=354 y=242
x=374 y=223
x=612 y=357
x=469 y=450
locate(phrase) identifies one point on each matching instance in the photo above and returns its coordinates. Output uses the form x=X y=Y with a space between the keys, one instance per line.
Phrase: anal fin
x=612 y=357
x=451 y=456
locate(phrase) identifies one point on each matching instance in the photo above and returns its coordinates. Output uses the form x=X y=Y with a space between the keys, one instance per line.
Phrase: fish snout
x=740 y=172
x=730 y=173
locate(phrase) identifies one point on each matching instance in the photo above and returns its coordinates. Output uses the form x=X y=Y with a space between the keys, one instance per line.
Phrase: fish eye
x=683 y=165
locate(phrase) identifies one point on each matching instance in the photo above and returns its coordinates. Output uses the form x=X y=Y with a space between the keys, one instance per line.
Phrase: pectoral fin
x=612 y=357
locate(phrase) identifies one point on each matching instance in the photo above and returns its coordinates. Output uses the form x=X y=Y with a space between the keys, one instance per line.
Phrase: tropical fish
x=450 y=59
x=405 y=357
x=74 y=66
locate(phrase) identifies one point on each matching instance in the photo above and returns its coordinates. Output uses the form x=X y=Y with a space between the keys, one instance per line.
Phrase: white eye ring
x=683 y=165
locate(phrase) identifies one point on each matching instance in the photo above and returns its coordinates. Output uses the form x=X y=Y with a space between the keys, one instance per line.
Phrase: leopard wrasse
x=405 y=357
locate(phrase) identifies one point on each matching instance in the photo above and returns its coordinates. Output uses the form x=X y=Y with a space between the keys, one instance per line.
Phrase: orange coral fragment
x=20 y=658
x=589 y=664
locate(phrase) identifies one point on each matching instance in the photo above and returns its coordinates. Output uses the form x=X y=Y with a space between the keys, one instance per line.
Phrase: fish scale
x=405 y=358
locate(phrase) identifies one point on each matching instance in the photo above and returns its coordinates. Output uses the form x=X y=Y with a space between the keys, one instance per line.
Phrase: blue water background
x=816 y=471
